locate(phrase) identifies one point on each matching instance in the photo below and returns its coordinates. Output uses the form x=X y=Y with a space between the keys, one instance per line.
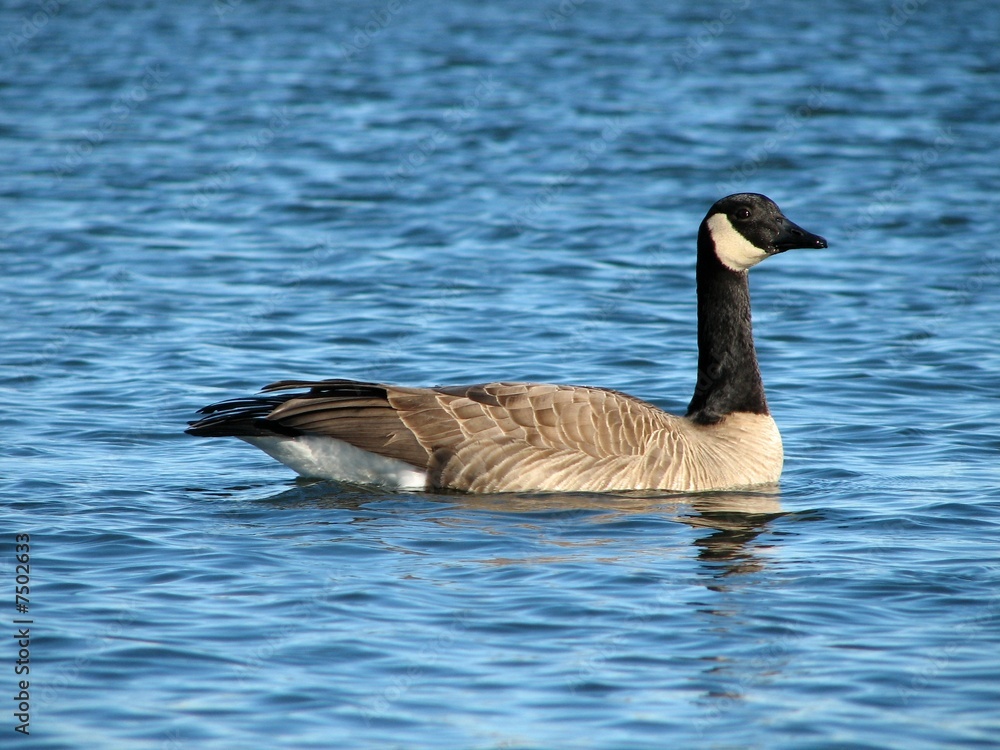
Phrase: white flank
x=326 y=458
x=733 y=249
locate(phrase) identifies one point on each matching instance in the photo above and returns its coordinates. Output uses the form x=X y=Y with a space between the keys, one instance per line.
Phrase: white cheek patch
x=733 y=249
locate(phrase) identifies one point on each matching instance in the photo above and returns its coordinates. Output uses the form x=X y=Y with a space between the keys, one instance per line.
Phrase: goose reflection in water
x=731 y=521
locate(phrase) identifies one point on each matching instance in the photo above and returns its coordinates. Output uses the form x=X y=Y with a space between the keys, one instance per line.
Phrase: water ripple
x=205 y=197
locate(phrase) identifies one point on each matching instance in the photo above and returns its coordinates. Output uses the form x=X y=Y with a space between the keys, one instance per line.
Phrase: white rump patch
x=327 y=458
x=734 y=250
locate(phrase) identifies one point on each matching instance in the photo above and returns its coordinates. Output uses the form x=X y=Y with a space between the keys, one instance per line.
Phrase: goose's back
x=508 y=437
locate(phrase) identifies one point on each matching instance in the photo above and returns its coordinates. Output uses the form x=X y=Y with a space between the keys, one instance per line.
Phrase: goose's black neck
x=728 y=375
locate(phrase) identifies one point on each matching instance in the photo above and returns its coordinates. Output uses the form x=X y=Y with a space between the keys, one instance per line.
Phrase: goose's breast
x=743 y=449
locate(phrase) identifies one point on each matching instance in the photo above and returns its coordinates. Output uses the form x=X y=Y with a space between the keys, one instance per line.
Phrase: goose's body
x=498 y=437
x=509 y=437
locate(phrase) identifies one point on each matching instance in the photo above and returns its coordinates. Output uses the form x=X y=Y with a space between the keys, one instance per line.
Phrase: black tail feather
x=247 y=417
x=241 y=417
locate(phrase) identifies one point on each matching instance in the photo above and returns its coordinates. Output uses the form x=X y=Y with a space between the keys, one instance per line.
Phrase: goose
x=528 y=437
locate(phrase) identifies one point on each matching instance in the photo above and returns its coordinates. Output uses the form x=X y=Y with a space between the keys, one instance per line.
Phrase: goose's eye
x=742 y=213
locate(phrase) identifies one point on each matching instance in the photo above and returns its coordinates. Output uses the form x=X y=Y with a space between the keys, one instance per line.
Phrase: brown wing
x=355 y=412
x=523 y=436
x=483 y=438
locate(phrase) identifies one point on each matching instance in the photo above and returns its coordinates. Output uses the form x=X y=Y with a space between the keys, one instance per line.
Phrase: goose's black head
x=745 y=228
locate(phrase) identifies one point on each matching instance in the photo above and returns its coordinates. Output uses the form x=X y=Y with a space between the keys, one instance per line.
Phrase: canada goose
x=510 y=437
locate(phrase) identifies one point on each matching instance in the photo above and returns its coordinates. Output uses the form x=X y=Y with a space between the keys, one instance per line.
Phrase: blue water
x=199 y=198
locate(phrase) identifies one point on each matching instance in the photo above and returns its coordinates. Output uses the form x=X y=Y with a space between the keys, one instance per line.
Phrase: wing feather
x=499 y=436
x=485 y=437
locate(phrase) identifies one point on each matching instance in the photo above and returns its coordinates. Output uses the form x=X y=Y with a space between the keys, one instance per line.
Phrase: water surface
x=200 y=198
